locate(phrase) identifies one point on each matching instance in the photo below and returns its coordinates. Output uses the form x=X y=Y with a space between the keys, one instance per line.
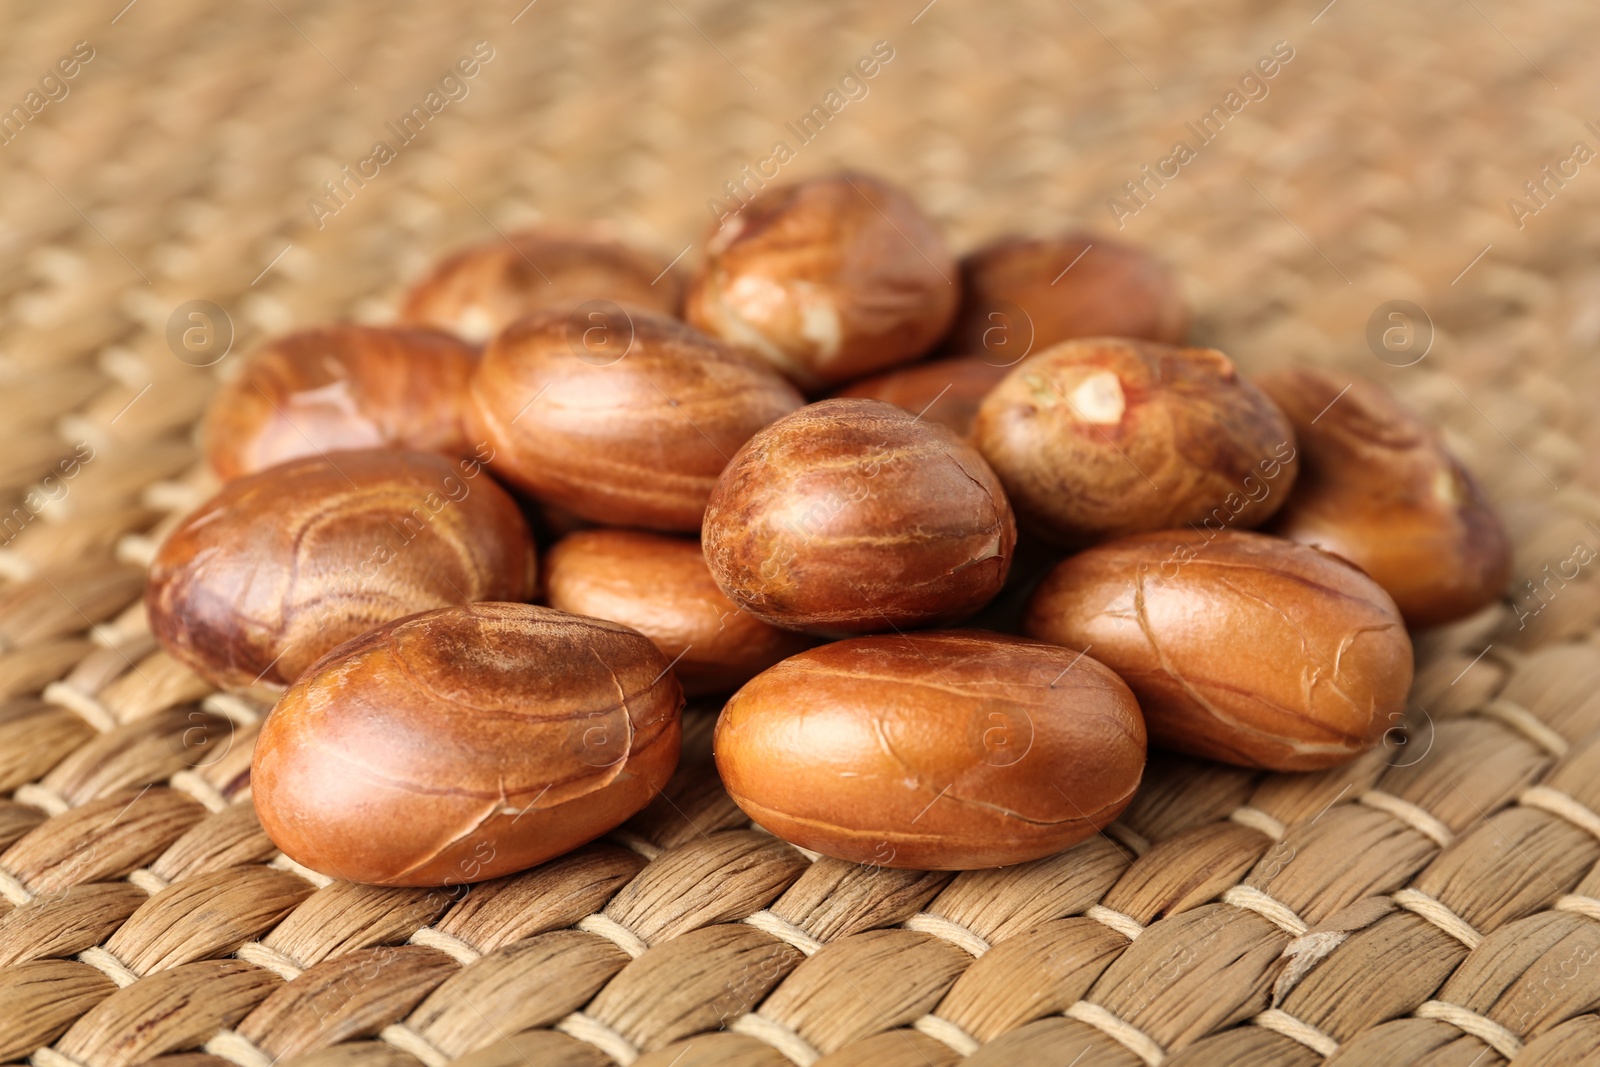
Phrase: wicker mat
x=1437 y=902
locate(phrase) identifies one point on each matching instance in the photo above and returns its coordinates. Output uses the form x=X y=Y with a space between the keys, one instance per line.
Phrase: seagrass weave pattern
x=1435 y=903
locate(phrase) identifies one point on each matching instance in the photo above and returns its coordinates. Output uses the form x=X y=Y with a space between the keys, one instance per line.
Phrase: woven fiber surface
x=1437 y=902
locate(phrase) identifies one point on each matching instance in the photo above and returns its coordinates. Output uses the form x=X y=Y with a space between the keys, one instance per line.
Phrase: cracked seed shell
x=282 y=565
x=1241 y=647
x=1378 y=486
x=621 y=417
x=341 y=387
x=466 y=743
x=935 y=751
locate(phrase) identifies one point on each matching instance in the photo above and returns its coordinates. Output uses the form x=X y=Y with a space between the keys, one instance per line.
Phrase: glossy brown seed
x=477 y=292
x=285 y=564
x=1023 y=294
x=945 y=391
x=341 y=387
x=851 y=516
x=660 y=586
x=1378 y=486
x=624 y=418
x=1241 y=647
x=938 y=751
x=1104 y=437
x=828 y=279
x=465 y=743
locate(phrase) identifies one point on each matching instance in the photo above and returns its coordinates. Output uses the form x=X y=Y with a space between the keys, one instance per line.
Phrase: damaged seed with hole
x=827 y=279
x=1099 y=438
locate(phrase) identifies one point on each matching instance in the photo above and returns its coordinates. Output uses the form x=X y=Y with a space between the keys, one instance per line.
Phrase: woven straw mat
x=1436 y=902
